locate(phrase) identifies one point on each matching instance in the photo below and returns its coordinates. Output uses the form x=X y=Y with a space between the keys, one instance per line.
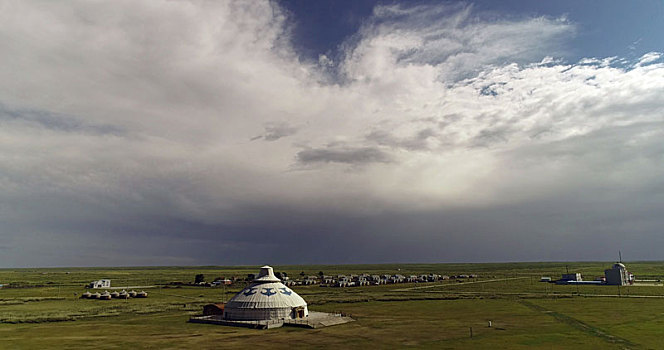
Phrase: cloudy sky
x=249 y=132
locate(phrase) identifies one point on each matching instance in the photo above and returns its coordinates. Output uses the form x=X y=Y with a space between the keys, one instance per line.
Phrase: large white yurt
x=266 y=298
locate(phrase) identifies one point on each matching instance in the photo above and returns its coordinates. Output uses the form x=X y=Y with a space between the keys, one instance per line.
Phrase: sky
x=305 y=132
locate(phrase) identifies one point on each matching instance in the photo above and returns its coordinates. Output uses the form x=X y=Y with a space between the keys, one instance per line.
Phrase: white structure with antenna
x=618 y=275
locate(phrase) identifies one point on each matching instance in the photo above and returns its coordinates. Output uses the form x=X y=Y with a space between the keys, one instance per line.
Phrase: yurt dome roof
x=266 y=275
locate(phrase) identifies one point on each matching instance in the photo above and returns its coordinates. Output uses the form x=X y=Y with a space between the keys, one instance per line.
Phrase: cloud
x=649 y=57
x=450 y=37
x=275 y=131
x=423 y=139
x=135 y=120
x=46 y=120
x=346 y=155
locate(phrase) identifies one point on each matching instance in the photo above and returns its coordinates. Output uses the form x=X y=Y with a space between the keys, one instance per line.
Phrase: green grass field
x=45 y=312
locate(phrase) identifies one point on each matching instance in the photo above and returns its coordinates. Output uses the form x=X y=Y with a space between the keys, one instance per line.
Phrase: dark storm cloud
x=346 y=155
x=275 y=131
x=416 y=142
x=545 y=230
x=491 y=136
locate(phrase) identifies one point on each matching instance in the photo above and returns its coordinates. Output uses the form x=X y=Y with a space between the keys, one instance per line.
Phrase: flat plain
x=41 y=308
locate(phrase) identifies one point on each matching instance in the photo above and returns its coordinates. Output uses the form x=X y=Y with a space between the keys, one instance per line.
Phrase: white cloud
x=650 y=57
x=449 y=37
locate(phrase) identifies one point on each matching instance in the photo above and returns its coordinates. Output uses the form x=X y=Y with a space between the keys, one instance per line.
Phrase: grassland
x=46 y=312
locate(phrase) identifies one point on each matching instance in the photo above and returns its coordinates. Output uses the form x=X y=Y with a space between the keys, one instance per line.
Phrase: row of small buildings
x=114 y=295
x=370 y=280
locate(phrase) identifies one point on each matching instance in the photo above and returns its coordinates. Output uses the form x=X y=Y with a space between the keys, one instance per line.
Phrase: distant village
x=369 y=280
x=340 y=281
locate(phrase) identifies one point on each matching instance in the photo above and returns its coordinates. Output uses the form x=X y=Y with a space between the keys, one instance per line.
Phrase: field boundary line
x=580 y=325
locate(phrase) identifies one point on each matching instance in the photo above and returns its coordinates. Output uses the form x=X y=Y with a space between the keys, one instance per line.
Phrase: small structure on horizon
x=569 y=278
x=572 y=277
x=213 y=309
x=103 y=283
x=221 y=282
x=618 y=275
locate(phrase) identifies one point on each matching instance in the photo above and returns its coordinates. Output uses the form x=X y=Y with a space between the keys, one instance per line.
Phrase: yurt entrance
x=298 y=312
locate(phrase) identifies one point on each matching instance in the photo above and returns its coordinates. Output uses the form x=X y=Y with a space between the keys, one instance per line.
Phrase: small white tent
x=266 y=298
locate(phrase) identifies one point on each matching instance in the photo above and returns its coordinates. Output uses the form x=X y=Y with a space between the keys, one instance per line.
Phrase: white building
x=572 y=277
x=266 y=298
x=100 y=284
x=618 y=275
